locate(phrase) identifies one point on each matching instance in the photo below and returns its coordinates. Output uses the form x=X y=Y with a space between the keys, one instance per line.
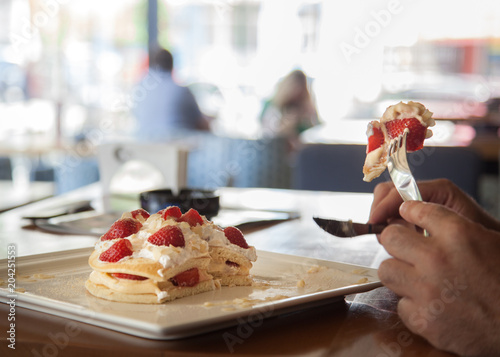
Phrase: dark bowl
x=206 y=202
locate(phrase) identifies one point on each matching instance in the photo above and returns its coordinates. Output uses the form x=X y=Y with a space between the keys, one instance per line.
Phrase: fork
x=400 y=172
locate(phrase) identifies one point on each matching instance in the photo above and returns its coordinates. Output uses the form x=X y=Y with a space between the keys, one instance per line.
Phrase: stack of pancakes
x=128 y=267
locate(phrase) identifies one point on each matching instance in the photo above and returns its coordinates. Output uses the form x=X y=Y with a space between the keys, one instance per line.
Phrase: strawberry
x=160 y=212
x=375 y=139
x=122 y=228
x=232 y=264
x=192 y=217
x=416 y=136
x=173 y=212
x=119 y=250
x=235 y=236
x=187 y=278
x=128 y=276
x=168 y=235
x=140 y=212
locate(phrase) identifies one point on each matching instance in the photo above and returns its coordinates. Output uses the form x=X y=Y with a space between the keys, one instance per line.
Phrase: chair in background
x=461 y=165
x=235 y=162
x=5 y=168
x=331 y=167
x=264 y=163
x=136 y=167
x=326 y=167
x=74 y=172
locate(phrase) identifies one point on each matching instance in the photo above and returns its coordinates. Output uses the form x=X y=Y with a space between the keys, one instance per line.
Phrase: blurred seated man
x=165 y=110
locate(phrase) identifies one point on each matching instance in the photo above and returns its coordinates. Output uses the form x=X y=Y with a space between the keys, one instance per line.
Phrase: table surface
x=14 y=195
x=363 y=325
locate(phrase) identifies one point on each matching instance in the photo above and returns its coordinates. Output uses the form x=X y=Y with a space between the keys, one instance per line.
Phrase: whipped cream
x=216 y=238
x=197 y=239
x=167 y=256
x=408 y=110
x=375 y=163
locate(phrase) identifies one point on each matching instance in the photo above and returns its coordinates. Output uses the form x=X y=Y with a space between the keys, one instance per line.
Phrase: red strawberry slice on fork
x=375 y=139
x=416 y=136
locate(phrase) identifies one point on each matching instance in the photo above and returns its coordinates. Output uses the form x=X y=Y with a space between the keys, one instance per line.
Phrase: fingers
x=436 y=219
x=404 y=243
x=408 y=312
x=386 y=202
x=399 y=276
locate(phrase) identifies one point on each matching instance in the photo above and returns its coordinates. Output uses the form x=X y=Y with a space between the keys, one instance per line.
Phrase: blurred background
x=68 y=70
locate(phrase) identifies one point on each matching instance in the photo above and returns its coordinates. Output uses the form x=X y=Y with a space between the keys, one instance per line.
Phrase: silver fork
x=400 y=172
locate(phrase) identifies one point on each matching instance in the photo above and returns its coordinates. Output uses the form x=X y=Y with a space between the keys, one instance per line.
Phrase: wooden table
x=363 y=325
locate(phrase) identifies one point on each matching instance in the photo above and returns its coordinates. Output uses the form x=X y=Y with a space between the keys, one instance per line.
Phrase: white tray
x=54 y=283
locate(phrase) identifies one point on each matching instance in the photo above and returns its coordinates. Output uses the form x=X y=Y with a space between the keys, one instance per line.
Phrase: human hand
x=449 y=282
x=386 y=202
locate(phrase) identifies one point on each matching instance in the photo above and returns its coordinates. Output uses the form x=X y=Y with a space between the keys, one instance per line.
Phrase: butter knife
x=347 y=229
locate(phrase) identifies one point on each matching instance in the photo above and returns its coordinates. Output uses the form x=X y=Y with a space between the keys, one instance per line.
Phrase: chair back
x=330 y=167
x=137 y=167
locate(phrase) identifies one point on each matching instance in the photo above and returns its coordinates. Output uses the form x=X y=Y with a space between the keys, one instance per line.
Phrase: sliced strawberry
x=187 y=278
x=168 y=235
x=375 y=139
x=119 y=250
x=140 y=212
x=128 y=276
x=122 y=228
x=416 y=136
x=232 y=264
x=160 y=212
x=235 y=236
x=192 y=217
x=173 y=212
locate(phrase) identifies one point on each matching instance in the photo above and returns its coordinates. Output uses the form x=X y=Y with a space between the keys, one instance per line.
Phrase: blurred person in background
x=291 y=109
x=164 y=109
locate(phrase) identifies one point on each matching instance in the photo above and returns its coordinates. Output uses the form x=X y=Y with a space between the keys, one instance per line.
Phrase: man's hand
x=386 y=202
x=449 y=282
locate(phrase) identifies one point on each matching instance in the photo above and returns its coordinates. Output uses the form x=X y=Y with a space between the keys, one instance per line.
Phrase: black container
x=206 y=202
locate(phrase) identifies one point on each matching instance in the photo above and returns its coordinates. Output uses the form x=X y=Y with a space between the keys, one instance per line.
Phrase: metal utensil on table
x=397 y=165
x=348 y=229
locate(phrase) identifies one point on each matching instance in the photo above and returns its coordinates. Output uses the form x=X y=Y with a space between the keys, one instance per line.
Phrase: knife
x=62 y=210
x=347 y=229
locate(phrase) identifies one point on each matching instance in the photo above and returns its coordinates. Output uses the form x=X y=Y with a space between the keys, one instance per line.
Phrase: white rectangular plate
x=54 y=283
